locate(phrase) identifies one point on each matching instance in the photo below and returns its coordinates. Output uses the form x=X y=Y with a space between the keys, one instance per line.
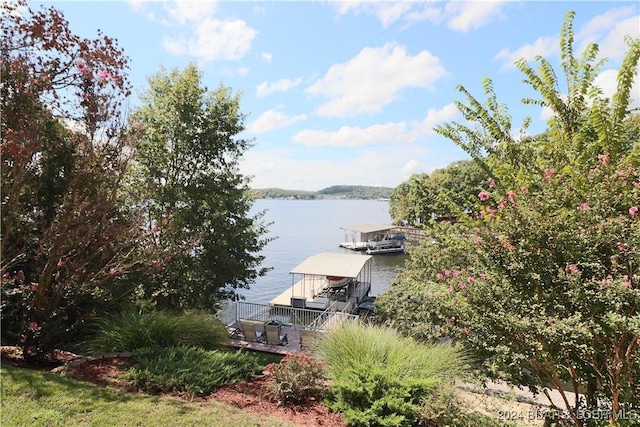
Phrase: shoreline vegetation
x=361 y=192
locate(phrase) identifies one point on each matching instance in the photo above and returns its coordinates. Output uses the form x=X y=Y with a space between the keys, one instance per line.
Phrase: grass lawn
x=34 y=398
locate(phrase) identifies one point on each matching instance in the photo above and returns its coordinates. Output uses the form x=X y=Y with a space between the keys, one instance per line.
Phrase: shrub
x=442 y=408
x=192 y=370
x=296 y=378
x=379 y=378
x=130 y=330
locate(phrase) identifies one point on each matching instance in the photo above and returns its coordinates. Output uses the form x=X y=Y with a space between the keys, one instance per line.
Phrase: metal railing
x=294 y=317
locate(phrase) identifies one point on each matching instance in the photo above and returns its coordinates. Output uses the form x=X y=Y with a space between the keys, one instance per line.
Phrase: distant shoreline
x=346 y=192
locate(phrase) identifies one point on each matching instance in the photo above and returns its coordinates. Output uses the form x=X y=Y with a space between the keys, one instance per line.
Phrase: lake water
x=308 y=227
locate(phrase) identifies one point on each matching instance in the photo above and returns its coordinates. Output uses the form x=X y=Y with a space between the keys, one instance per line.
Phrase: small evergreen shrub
x=296 y=378
x=192 y=370
x=132 y=329
x=379 y=378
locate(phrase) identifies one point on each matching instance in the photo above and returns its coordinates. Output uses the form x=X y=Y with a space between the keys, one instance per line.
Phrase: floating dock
x=373 y=238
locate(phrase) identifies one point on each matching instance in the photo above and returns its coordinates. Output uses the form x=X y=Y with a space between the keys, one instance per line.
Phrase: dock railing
x=294 y=317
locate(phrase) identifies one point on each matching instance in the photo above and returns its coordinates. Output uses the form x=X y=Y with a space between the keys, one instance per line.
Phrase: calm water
x=308 y=227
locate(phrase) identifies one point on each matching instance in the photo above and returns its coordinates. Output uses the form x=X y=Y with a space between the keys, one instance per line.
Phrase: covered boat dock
x=327 y=290
x=357 y=236
x=328 y=281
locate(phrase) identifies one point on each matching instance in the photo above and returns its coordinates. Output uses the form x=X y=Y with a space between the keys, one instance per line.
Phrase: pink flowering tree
x=543 y=282
x=67 y=238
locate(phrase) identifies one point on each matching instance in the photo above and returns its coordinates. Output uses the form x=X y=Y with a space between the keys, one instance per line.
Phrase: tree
x=543 y=284
x=407 y=204
x=441 y=195
x=66 y=237
x=186 y=180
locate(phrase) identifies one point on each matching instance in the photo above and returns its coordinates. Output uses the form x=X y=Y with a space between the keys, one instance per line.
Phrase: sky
x=348 y=92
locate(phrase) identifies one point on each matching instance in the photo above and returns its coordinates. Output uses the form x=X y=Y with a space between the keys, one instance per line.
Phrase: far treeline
x=333 y=192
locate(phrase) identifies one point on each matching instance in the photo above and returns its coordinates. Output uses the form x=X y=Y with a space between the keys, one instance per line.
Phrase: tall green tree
x=441 y=195
x=66 y=236
x=197 y=204
x=543 y=283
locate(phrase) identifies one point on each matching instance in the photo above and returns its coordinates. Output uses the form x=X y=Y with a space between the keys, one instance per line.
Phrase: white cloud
x=379 y=134
x=380 y=166
x=348 y=136
x=613 y=45
x=546 y=113
x=388 y=13
x=460 y=15
x=435 y=117
x=608 y=30
x=280 y=168
x=242 y=71
x=272 y=120
x=472 y=14
x=282 y=85
x=176 y=46
x=199 y=34
x=215 y=39
x=427 y=13
x=412 y=166
x=267 y=56
x=190 y=11
x=373 y=79
x=544 y=46
x=607 y=82
x=600 y=25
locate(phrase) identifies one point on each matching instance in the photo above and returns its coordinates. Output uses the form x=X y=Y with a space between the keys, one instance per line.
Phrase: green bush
x=130 y=330
x=296 y=378
x=442 y=408
x=192 y=370
x=379 y=378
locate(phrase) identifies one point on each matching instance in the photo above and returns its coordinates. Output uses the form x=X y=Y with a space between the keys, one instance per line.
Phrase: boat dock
x=373 y=238
x=327 y=290
x=313 y=288
x=358 y=236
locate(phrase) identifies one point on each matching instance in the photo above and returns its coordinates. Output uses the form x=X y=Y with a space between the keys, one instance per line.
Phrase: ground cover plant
x=378 y=377
x=191 y=370
x=131 y=329
x=174 y=352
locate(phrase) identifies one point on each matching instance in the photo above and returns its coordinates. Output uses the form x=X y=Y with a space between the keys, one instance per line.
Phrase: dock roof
x=332 y=264
x=369 y=228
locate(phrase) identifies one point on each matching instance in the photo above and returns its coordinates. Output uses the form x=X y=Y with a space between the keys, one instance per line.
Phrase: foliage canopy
x=99 y=211
x=185 y=177
x=543 y=281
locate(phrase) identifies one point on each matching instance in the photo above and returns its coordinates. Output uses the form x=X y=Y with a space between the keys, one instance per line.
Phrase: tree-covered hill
x=333 y=192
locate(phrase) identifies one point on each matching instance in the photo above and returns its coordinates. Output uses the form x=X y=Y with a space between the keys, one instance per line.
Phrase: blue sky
x=348 y=92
